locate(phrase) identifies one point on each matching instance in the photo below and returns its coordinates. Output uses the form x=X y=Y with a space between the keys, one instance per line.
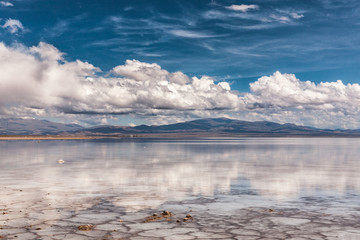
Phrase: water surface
x=235 y=188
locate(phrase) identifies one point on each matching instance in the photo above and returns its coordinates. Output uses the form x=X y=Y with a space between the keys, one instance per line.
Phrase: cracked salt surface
x=255 y=188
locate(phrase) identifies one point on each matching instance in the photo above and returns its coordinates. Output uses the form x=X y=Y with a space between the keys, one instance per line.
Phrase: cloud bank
x=286 y=91
x=284 y=98
x=39 y=81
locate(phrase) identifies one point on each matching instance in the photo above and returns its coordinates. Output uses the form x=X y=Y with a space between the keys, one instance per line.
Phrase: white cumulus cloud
x=40 y=81
x=13 y=26
x=283 y=97
x=152 y=87
x=285 y=90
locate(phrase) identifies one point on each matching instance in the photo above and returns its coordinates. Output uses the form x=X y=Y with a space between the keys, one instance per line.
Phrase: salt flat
x=258 y=188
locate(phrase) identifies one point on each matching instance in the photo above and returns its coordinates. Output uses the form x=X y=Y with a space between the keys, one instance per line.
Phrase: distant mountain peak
x=222 y=127
x=32 y=126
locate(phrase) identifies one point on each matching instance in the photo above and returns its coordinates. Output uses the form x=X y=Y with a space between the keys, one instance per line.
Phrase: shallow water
x=234 y=188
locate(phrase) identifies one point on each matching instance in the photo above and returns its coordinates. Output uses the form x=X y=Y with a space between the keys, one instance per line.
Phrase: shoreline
x=51 y=137
x=159 y=136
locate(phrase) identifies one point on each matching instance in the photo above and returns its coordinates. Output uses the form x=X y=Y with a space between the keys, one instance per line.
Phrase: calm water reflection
x=251 y=188
x=148 y=172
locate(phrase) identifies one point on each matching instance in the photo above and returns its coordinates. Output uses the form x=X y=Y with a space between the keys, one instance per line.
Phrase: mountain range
x=30 y=126
x=200 y=127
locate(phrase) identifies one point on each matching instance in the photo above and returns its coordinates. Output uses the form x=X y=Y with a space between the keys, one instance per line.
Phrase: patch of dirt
x=86 y=227
x=157 y=217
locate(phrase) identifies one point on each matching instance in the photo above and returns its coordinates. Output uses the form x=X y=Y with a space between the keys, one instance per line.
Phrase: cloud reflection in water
x=141 y=174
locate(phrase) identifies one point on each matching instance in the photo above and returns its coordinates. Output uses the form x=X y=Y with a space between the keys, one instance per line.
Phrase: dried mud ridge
x=102 y=219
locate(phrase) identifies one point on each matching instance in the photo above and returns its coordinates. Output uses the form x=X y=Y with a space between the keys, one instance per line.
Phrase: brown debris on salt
x=86 y=227
x=166 y=214
x=155 y=217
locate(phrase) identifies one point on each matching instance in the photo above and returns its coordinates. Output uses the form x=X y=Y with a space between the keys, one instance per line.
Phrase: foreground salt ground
x=221 y=217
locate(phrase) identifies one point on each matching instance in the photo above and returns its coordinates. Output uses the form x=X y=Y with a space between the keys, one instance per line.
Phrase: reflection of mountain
x=143 y=173
x=201 y=127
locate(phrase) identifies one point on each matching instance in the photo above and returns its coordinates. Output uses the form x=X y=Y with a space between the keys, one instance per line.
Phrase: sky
x=155 y=62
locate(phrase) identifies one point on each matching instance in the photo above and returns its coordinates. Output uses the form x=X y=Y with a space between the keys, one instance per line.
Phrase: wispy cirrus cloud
x=58 y=29
x=190 y=34
x=63 y=26
x=147 y=54
x=278 y=18
x=295 y=15
x=242 y=7
x=264 y=18
x=13 y=26
x=6 y=4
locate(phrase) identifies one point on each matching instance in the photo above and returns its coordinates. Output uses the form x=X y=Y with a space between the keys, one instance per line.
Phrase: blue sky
x=235 y=42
